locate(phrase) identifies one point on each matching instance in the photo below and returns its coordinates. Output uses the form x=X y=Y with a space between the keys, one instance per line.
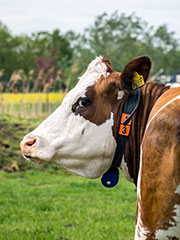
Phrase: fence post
x=1 y=103
x=47 y=102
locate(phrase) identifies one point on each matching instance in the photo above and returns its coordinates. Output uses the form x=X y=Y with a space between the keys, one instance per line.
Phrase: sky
x=25 y=17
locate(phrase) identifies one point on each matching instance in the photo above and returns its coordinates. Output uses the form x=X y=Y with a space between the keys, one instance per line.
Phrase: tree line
x=47 y=61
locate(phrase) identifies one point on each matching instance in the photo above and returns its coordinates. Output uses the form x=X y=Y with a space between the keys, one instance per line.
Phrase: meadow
x=55 y=205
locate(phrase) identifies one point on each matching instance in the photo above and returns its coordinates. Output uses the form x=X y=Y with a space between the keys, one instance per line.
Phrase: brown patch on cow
x=103 y=98
x=161 y=167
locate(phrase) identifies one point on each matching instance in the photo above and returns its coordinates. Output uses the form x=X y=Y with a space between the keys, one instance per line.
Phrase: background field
x=30 y=105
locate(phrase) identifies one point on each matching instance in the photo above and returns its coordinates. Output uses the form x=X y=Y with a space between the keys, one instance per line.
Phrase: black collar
x=111 y=177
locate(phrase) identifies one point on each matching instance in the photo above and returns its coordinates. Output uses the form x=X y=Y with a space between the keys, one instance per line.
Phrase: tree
x=8 y=55
x=44 y=56
x=55 y=51
x=122 y=37
x=22 y=53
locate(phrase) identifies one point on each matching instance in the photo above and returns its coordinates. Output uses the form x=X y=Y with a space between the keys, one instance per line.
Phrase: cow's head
x=80 y=135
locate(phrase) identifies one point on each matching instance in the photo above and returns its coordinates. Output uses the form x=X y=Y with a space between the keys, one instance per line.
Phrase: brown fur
x=161 y=165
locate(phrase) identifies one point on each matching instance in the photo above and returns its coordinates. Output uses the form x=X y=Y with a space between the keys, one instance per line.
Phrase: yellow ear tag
x=138 y=81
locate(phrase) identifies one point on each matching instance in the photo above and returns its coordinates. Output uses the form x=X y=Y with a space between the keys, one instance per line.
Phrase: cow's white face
x=80 y=134
x=69 y=139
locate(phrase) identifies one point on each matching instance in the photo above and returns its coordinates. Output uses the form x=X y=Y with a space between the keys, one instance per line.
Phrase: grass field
x=55 y=205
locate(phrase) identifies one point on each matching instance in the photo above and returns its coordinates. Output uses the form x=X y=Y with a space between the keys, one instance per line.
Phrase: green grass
x=40 y=205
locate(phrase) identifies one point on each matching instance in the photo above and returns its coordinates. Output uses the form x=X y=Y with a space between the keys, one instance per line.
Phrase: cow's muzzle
x=36 y=149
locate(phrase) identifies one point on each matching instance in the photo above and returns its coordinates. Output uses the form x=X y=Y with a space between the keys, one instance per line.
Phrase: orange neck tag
x=125 y=129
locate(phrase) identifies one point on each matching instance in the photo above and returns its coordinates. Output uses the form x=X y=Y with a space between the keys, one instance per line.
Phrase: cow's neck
x=149 y=95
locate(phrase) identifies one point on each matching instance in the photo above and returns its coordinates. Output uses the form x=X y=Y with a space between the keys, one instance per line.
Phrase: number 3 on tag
x=124 y=130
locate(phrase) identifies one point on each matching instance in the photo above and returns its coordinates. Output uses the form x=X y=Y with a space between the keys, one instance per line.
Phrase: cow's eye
x=84 y=102
x=81 y=103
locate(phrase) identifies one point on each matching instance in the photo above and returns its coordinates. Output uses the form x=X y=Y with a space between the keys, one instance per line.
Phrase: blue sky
x=36 y=15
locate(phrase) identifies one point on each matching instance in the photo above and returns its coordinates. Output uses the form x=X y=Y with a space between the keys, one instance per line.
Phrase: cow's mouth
x=34 y=160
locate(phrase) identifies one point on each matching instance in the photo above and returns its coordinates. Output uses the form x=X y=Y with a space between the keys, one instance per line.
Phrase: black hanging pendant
x=111 y=177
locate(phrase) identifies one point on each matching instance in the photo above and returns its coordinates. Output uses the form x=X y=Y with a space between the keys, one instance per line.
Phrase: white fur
x=178 y=189
x=72 y=141
x=125 y=170
x=173 y=85
x=141 y=231
x=120 y=95
x=173 y=231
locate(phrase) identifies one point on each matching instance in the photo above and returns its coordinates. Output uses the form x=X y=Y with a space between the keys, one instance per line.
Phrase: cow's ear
x=135 y=73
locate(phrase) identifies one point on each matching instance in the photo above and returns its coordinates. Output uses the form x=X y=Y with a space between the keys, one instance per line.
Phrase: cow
x=82 y=136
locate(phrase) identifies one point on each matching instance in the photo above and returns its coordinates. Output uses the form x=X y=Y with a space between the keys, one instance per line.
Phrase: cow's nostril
x=30 y=142
x=27 y=145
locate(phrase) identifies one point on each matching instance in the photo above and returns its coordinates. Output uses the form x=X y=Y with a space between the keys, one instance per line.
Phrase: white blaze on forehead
x=95 y=70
